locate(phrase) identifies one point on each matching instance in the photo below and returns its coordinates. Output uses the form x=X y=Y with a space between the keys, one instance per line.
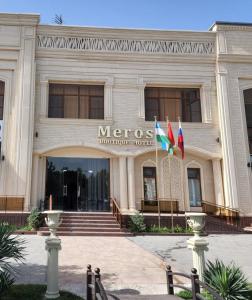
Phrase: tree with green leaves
x=11 y=249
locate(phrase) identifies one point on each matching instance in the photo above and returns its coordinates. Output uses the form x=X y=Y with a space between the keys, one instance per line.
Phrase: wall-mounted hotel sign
x=116 y=136
x=1 y=131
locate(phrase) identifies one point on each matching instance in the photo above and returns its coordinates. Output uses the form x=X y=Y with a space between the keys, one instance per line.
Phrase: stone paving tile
x=125 y=267
x=227 y=247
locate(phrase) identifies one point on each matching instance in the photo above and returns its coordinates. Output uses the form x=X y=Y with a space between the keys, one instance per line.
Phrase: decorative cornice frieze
x=97 y=44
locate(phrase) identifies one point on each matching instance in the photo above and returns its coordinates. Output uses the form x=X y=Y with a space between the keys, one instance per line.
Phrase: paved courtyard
x=132 y=265
x=125 y=267
x=226 y=247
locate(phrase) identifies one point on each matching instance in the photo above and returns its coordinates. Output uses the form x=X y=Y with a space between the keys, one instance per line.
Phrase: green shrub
x=136 y=223
x=184 y=294
x=229 y=281
x=11 y=248
x=35 y=219
x=155 y=228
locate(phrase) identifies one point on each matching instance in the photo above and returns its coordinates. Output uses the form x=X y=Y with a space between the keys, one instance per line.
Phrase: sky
x=154 y=14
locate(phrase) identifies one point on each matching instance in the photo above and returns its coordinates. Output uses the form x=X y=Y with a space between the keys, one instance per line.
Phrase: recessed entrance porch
x=78 y=184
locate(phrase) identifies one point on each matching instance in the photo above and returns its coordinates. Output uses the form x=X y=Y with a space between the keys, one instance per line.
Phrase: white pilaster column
x=229 y=170
x=131 y=183
x=108 y=99
x=44 y=86
x=35 y=183
x=123 y=183
x=25 y=111
x=206 y=103
x=141 y=87
x=218 y=186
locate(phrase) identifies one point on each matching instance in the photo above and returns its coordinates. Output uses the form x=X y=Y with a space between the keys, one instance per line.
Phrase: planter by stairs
x=88 y=224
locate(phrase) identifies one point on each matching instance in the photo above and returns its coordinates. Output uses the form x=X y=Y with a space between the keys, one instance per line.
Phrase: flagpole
x=183 y=176
x=157 y=173
x=169 y=161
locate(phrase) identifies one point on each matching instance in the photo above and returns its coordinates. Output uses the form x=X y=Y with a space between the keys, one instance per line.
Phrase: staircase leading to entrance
x=88 y=224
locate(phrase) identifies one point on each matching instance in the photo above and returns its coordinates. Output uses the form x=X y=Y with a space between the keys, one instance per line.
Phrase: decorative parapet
x=97 y=44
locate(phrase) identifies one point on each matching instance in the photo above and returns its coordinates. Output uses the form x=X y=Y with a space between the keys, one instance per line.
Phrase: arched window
x=248 y=111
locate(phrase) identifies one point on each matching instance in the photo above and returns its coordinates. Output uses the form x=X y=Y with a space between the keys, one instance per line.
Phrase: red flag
x=181 y=141
x=170 y=134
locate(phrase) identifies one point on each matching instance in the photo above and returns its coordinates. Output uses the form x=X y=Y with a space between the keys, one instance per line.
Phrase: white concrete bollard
x=197 y=244
x=53 y=245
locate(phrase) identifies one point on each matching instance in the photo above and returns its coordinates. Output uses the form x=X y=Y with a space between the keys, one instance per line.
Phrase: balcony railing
x=11 y=203
x=163 y=205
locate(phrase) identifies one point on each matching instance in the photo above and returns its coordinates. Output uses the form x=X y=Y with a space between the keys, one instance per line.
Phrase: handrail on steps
x=232 y=215
x=116 y=211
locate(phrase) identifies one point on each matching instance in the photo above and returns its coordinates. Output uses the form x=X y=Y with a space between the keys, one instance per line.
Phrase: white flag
x=1 y=131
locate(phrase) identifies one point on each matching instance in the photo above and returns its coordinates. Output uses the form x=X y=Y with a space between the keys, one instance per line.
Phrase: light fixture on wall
x=2 y=157
x=36 y=134
x=218 y=140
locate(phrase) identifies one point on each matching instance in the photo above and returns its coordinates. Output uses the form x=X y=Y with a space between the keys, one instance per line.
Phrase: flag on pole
x=181 y=141
x=171 y=138
x=161 y=137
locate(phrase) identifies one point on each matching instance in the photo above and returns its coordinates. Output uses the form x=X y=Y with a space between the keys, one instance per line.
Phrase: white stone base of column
x=53 y=245
x=198 y=246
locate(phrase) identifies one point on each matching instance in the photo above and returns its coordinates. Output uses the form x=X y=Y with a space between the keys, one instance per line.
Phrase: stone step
x=88 y=217
x=84 y=229
x=90 y=224
x=69 y=221
x=80 y=215
x=90 y=233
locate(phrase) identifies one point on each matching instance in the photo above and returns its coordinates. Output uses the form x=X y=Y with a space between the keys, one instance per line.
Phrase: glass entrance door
x=78 y=184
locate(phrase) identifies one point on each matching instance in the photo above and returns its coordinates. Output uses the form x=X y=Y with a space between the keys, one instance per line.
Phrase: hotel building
x=77 y=107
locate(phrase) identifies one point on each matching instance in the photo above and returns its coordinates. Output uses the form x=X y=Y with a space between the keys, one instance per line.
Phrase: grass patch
x=33 y=292
x=24 y=228
x=184 y=294
x=164 y=229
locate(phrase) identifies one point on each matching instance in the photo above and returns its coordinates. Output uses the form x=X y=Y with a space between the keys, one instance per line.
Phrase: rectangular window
x=194 y=185
x=73 y=101
x=248 y=111
x=150 y=186
x=174 y=103
x=1 y=110
x=1 y=99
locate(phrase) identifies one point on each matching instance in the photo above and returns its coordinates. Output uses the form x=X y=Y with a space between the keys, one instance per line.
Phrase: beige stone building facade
x=77 y=107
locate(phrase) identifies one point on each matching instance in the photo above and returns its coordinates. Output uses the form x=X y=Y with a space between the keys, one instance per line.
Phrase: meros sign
x=140 y=137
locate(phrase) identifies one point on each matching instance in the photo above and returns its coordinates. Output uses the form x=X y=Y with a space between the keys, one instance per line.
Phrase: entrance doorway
x=78 y=184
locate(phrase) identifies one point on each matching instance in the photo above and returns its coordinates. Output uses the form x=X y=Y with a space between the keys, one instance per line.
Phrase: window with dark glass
x=76 y=101
x=1 y=99
x=150 y=186
x=248 y=111
x=1 y=110
x=194 y=186
x=174 y=103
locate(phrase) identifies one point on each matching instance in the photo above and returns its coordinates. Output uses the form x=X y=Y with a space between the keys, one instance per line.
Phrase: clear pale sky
x=156 y=14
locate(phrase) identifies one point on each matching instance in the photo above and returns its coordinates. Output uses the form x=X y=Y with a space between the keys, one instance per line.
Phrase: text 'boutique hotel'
x=77 y=109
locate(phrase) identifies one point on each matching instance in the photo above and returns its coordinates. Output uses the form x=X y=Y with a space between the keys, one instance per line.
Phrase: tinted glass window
x=248 y=111
x=194 y=186
x=173 y=103
x=76 y=101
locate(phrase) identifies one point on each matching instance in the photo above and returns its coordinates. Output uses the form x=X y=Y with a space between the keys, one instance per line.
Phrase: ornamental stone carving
x=173 y=186
x=126 y=45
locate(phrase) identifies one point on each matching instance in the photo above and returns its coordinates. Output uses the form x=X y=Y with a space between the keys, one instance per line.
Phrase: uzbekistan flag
x=161 y=137
x=181 y=141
